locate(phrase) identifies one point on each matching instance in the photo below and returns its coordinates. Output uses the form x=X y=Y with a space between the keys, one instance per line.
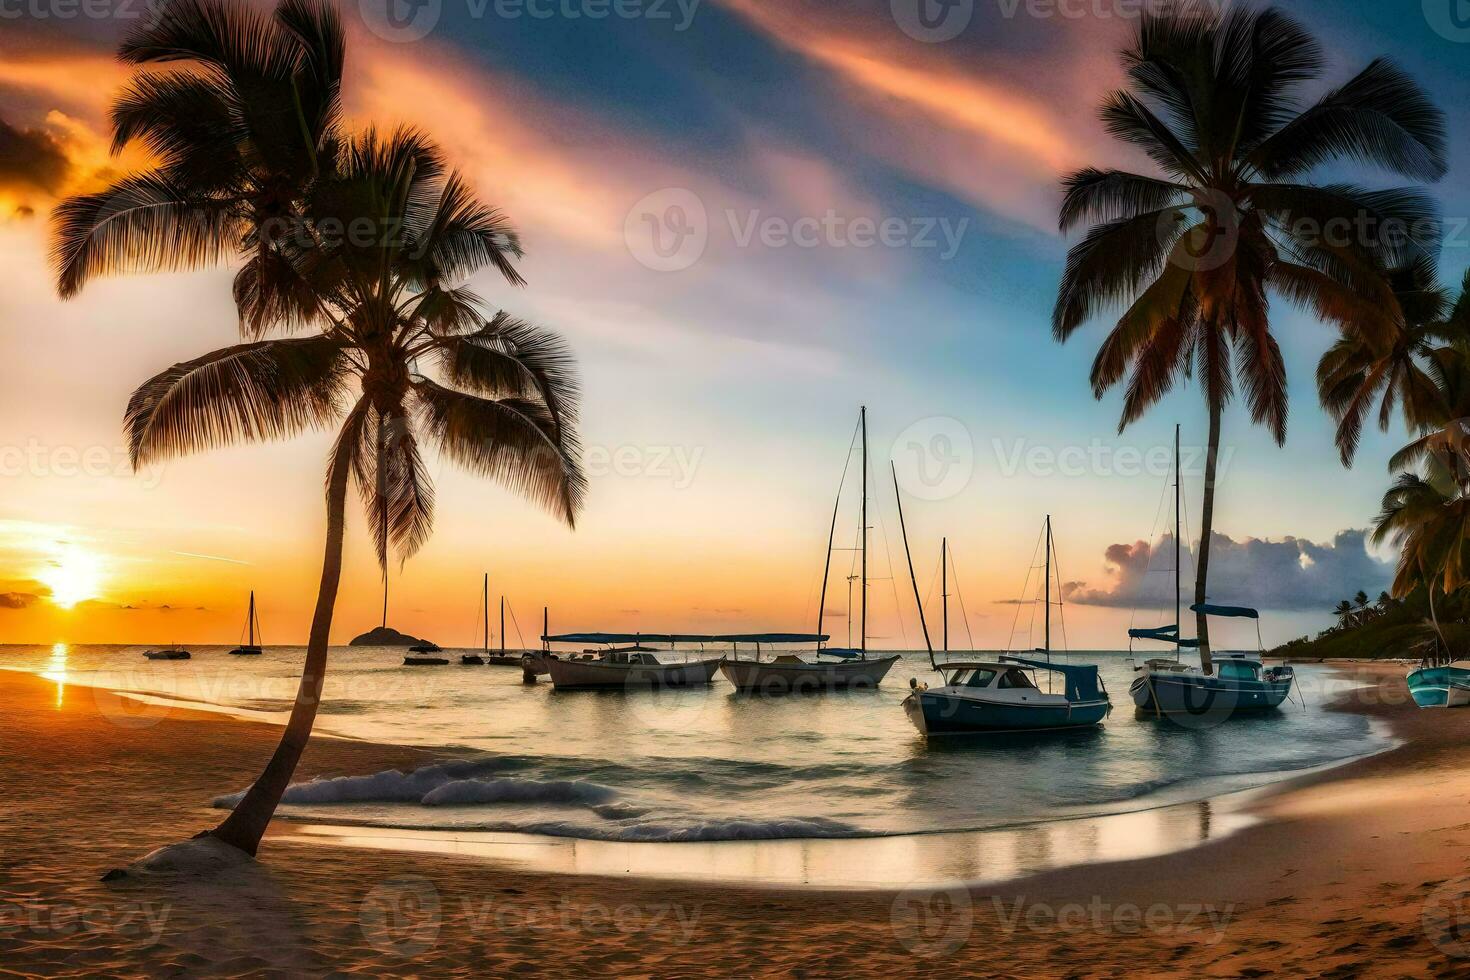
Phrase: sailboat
x=478 y=659
x=985 y=696
x=1170 y=687
x=842 y=669
x=252 y=627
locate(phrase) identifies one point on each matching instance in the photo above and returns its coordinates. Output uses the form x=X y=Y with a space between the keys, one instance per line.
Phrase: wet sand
x=1359 y=871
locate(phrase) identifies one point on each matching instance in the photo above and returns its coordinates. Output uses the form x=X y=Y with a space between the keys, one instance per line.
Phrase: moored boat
x=173 y=653
x=620 y=669
x=1238 y=684
x=1001 y=695
x=1241 y=684
x=823 y=669
x=1441 y=686
x=250 y=648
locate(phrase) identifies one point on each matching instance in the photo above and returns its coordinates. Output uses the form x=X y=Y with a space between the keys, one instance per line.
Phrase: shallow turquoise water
x=711 y=764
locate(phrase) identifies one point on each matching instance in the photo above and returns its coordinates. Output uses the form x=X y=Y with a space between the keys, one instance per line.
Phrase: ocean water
x=712 y=764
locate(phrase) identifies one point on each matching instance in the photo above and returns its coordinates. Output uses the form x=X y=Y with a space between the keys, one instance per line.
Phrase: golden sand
x=1361 y=871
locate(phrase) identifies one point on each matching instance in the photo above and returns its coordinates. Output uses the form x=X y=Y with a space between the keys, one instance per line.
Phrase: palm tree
x=1343 y=612
x=1361 y=602
x=1195 y=251
x=1362 y=368
x=1428 y=519
x=368 y=249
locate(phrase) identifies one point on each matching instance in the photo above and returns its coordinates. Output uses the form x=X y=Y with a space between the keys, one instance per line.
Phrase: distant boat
x=423 y=655
x=501 y=659
x=173 y=653
x=621 y=668
x=252 y=623
x=983 y=695
x=1240 y=685
x=844 y=669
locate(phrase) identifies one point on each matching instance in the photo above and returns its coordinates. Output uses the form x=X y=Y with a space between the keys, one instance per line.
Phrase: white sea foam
x=467 y=792
x=446 y=784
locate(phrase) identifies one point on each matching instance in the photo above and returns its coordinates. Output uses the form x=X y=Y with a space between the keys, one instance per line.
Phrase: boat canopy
x=610 y=638
x=1227 y=612
x=1082 y=682
x=1164 y=634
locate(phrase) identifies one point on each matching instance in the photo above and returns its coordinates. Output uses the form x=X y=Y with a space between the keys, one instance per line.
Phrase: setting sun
x=73 y=575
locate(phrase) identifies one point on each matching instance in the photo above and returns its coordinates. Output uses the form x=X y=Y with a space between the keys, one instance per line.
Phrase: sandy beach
x=1354 y=872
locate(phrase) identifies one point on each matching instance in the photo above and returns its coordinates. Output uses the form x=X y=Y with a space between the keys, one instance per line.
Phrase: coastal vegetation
x=353 y=251
x=1195 y=252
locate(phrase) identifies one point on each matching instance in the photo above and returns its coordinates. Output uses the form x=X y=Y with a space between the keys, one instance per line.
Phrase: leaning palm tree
x=1392 y=364
x=1194 y=252
x=1427 y=517
x=368 y=250
x=1344 y=613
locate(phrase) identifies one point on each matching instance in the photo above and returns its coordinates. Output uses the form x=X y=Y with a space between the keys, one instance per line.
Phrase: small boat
x=1240 y=685
x=622 y=669
x=1001 y=695
x=1442 y=685
x=503 y=658
x=422 y=660
x=991 y=695
x=426 y=647
x=174 y=653
x=252 y=622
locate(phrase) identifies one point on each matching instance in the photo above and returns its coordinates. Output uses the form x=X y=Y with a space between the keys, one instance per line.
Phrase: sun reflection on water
x=56 y=671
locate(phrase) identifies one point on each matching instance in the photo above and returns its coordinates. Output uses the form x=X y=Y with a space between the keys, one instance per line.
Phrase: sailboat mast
x=485 y=609
x=250 y=619
x=1048 y=583
x=1178 y=617
x=944 y=586
x=913 y=579
x=864 y=420
x=502 y=625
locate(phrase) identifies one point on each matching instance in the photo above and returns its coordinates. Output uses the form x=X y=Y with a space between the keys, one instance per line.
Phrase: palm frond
x=397 y=494
x=1108 y=266
x=144 y=223
x=510 y=358
x=1093 y=195
x=1381 y=117
x=251 y=392
x=511 y=440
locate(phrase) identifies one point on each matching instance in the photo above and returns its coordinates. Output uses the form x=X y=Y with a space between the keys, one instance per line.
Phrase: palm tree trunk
x=246 y=825
x=1207 y=523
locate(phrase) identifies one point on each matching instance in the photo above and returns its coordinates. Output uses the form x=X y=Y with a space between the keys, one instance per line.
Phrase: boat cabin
x=987 y=675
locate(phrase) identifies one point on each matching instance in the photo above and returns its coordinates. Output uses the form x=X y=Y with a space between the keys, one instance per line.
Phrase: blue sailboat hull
x=1440 y=687
x=935 y=713
x=1174 y=693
